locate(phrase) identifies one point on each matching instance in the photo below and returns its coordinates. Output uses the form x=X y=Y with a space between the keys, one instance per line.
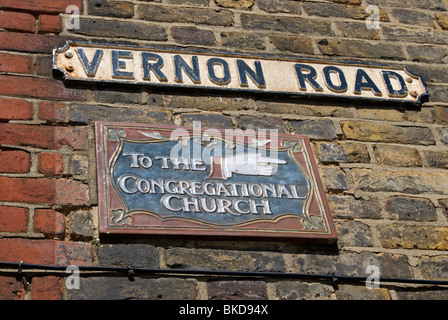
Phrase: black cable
x=131 y=272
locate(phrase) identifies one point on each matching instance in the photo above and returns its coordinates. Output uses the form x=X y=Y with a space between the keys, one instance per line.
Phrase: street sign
x=182 y=68
x=206 y=182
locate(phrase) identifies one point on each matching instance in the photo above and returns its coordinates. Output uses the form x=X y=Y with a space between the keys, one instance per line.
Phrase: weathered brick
x=353 y=264
x=315 y=129
x=192 y=35
x=433 y=268
x=384 y=132
x=235 y=4
x=343 y=153
x=49 y=24
x=52 y=111
x=397 y=156
x=413 y=209
x=334 y=179
x=49 y=222
x=268 y=123
x=87 y=114
x=119 y=9
x=243 y=40
x=47 y=288
x=413 y=17
x=437 y=159
x=18 y=21
x=43 y=136
x=419 y=294
x=303 y=290
x=410 y=182
x=118 y=288
x=124 y=29
x=208 y=120
x=14 y=161
x=51 y=252
x=356 y=292
x=211 y=259
x=421 y=4
x=38 y=88
x=354 y=29
x=13 y=219
x=353 y=233
x=277 y=6
x=50 y=164
x=10 y=63
x=347 y=207
x=79 y=165
x=132 y=254
x=443 y=135
x=339 y=10
x=118 y=95
x=11 y=289
x=34 y=43
x=298 y=25
x=444 y=204
x=414 y=34
x=160 y=13
x=81 y=225
x=360 y=49
x=440 y=115
x=298 y=44
x=44 y=191
x=396 y=236
x=53 y=6
x=237 y=290
x=199 y=3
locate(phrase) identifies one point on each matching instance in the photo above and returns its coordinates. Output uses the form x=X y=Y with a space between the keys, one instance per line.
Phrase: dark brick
x=237 y=290
x=353 y=233
x=208 y=120
x=243 y=40
x=343 y=153
x=354 y=29
x=120 y=288
x=353 y=264
x=435 y=268
x=302 y=290
x=410 y=182
x=210 y=259
x=338 y=10
x=117 y=96
x=119 y=9
x=192 y=35
x=437 y=159
x=421 y=4
x=315 y=129
x=87 y=114
x=414 y=209
x=415 y=34
x=334 y=179
x=413 y=17
x=122 y=255
x=81 y=226
x=277 y=6
x=270 y=123
x=360 y=49
x=289 y=24
x=123 y=29
x=160 y=13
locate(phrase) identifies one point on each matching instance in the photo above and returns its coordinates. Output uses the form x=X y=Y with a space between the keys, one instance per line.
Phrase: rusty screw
x=69 y=68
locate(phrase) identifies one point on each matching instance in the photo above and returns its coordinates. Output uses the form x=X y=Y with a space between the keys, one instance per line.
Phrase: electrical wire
x=5 y=267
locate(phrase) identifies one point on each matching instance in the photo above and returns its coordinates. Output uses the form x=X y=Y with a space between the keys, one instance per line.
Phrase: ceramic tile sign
x=164 y=180
x=188 y=69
